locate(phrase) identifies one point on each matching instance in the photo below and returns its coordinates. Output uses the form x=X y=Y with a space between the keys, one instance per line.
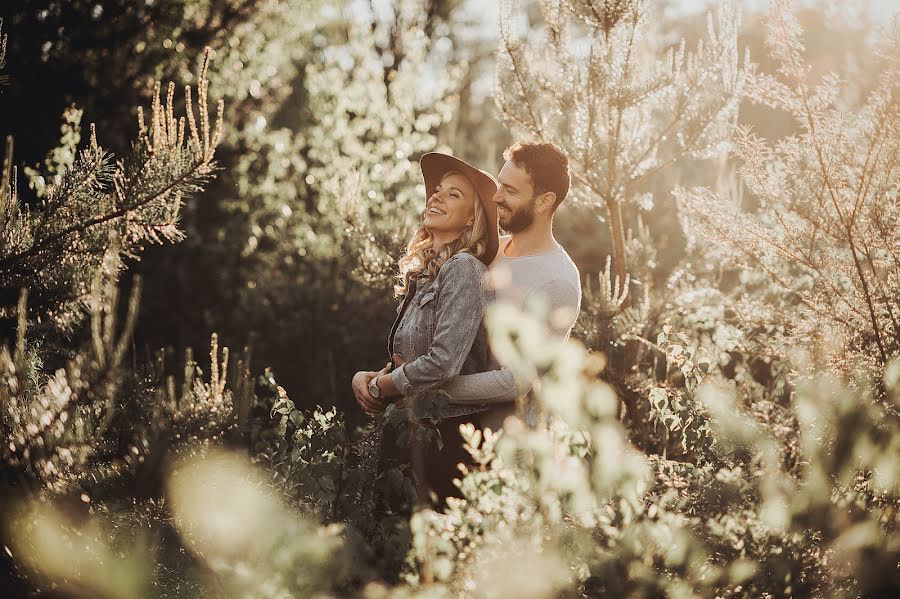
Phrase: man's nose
x=498 y=197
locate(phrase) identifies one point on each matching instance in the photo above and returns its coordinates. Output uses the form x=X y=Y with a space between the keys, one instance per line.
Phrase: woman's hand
x=360 y=385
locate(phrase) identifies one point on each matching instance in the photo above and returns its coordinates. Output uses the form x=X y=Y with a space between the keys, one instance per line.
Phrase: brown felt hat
x=435 y=165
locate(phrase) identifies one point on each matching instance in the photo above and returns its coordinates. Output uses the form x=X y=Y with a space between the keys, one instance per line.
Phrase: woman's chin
x=444 y=234
x=433 y=224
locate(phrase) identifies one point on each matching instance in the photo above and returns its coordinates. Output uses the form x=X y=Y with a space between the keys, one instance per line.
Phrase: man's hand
x=360 y=387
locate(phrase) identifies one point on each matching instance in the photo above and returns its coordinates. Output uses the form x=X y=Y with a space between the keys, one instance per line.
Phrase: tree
x=596 y=84
x=65 y=253
x=827 y=229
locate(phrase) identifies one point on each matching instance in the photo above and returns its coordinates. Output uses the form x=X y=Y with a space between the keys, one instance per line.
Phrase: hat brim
x=435 y=164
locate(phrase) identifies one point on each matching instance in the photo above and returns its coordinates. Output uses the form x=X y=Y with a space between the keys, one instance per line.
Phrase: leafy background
x=723 y=424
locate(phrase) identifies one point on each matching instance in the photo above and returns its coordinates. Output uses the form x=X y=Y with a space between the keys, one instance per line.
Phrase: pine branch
x=139 y=199
x=196 y=168
x=848 y=225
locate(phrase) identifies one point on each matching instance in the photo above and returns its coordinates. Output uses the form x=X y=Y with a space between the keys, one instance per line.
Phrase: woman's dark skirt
x=434 y=469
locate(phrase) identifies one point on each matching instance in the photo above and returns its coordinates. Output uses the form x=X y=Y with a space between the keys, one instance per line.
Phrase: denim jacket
x=439 y=330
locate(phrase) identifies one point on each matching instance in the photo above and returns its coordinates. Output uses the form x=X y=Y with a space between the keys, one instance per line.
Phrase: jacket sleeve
x=458 y=314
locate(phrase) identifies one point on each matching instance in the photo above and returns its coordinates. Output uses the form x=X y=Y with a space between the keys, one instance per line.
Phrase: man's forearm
x=490 y=387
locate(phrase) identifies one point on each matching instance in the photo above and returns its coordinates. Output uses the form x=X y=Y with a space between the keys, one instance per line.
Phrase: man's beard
x=519 y=220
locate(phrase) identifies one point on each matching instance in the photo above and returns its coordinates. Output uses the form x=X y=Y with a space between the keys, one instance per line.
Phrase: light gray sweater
x=554 y=278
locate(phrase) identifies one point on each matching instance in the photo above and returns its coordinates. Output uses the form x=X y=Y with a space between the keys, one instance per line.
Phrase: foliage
x=60 y=158
x=105 y=56
x=267 y=551
x=78 y=423
x=615 y=521
x=826 y=229
x=677 y=407
x=55 y=247
x=64 y=428
x=684 y=447
x=339 y=475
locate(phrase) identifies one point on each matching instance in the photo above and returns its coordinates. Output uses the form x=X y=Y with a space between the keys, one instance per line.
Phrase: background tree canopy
x=725 y=422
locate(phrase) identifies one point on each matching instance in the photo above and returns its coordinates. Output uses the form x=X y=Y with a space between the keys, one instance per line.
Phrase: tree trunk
x=617 y=231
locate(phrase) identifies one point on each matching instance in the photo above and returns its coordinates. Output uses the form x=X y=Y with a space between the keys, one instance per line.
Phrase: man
x=529 y=264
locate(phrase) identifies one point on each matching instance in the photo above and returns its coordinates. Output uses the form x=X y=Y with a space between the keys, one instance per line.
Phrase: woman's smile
x=433 y=215
x=451 y=207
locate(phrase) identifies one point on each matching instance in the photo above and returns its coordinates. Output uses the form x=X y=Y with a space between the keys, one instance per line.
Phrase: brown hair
x=421 y=258
x=545 y=163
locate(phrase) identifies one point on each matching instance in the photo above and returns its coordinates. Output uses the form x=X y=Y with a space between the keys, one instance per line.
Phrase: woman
x=439 y=330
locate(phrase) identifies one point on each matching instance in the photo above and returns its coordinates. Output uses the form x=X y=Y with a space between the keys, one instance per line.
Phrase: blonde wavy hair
x=420 y=256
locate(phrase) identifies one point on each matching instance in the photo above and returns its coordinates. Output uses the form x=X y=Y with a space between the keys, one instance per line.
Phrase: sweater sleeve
x=490 y=387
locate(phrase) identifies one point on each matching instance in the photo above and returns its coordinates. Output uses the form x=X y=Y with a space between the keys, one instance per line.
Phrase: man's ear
x=545 y=201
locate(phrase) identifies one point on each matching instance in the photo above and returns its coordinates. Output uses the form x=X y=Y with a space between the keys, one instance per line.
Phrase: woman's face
x=451 y=208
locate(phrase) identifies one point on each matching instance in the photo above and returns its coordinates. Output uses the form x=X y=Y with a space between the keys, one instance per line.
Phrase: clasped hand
x=360 y=385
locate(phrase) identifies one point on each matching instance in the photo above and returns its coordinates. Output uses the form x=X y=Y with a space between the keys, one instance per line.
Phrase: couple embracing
x=456 y=265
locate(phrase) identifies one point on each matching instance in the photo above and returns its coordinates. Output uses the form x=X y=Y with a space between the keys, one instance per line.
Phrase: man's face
x=515 y=198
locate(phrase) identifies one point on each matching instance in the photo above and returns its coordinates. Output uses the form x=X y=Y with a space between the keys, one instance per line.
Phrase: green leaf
x=704 y=364
x=659 y=399
x=672 y=421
